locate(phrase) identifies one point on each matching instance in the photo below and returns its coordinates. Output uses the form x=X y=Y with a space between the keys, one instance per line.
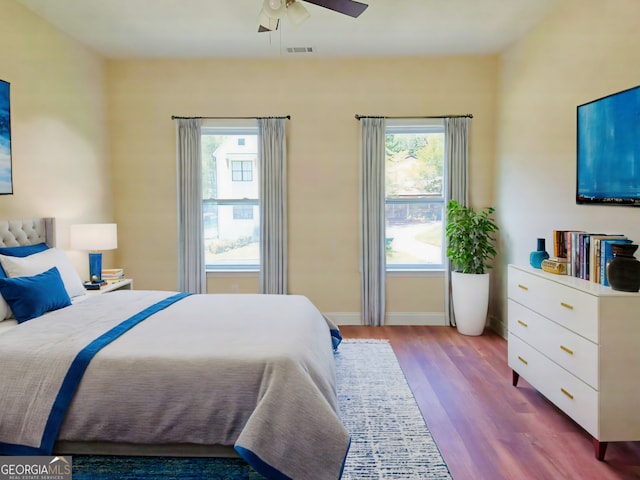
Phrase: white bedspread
x=252 y=371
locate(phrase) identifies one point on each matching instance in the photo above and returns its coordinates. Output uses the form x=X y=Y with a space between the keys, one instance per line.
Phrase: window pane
x=414 y=180
x=228 y=240
x=230 y=199
x=414 y=164
x=414 y=235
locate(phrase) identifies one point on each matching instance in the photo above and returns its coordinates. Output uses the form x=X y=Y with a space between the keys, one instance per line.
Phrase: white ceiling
x=228 y=28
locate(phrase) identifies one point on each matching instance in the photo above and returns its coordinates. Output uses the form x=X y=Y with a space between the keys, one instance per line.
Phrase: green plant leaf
x=470 y=244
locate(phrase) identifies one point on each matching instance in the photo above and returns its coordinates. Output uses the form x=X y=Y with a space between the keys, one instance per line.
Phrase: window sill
x=415 y=273
x=233 y=273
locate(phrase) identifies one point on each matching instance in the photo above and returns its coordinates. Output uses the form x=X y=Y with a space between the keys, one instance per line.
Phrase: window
x=242 y=170
x=414 y=184
x=230 y=202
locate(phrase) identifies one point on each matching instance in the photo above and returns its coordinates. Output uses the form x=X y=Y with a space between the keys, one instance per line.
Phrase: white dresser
x=578 y=343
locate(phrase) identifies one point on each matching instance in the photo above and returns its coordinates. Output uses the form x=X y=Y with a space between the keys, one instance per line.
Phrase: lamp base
x=95 y=267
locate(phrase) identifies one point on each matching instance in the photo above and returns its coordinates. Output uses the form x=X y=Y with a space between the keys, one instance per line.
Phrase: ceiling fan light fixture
x=267 y=23
x=274 y=8
x=297 y=13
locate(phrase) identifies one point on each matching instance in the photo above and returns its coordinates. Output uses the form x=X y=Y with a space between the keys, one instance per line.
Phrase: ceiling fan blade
x=346 y=7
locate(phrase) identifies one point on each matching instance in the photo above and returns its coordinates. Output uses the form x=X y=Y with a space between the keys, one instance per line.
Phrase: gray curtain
x=191 y=267
x=372 y=224
x=456 y=132
x=272 y=159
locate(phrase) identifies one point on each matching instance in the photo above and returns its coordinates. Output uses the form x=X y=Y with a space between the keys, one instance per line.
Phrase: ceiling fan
x=273 y=10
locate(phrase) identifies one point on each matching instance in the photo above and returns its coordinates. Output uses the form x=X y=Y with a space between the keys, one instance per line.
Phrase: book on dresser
x=585 y=254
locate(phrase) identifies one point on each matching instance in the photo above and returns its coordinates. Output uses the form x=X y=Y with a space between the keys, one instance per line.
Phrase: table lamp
x=94 y=237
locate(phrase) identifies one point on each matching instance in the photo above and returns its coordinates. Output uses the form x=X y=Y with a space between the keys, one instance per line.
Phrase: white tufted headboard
x=14 y=233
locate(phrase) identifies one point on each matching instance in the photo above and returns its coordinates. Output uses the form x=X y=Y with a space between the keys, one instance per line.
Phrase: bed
x=163 y=373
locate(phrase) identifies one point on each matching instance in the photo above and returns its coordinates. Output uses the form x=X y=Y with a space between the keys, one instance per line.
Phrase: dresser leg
x=515 y=376
x=600 y=448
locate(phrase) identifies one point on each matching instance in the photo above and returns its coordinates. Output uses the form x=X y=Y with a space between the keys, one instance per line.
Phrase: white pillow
x=41 y=262
x=5 y=310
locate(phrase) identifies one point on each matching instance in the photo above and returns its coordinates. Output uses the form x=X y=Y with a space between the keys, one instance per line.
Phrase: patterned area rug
x=389 y=438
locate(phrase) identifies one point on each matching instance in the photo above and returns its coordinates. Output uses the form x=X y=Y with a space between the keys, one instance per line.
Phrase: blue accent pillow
x=30 y=297
x=21 y=251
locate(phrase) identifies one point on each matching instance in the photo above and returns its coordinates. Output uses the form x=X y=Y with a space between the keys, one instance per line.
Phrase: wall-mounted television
x=608 y=150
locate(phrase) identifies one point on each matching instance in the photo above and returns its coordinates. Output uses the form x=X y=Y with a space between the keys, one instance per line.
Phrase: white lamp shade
x=94 y=236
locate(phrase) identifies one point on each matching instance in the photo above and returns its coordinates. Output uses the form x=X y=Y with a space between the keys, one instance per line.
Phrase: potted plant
x=470 y=245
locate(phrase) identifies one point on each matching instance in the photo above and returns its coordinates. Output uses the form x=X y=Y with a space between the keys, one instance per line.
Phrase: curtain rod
x=468 y=115
x=174 y=117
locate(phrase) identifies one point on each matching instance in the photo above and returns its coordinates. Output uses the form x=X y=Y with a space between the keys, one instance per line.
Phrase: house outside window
x=230 y=202
x=414 y=194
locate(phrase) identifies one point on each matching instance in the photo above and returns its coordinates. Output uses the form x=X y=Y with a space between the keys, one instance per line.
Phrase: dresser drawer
x=569 y=350
x=571 y=308
x=574 y=397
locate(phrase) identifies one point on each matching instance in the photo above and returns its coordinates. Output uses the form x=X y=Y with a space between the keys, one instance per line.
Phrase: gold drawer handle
x=522 y=287
x=566 y=393
x=566 y=305
x=523 y=360
x=568 y=350
x=522 y=323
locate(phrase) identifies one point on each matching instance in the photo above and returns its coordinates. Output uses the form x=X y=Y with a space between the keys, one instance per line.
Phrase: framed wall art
x=6 y=177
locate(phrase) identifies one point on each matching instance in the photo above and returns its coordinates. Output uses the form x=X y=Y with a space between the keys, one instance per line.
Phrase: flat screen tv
x=608 y=166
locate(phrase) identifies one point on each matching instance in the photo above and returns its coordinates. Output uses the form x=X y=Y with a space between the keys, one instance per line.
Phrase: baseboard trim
x=392 y=318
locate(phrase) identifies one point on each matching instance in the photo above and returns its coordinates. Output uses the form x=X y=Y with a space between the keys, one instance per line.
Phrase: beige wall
x=584 y=50
x=64 y=163
x=322 y=97
x=59 y=141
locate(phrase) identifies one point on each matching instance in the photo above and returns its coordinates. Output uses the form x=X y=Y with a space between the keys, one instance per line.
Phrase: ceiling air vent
x=299 y=49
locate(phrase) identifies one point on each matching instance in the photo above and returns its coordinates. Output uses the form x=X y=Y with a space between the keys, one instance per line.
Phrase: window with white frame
x=230 y=201
x=414 y=194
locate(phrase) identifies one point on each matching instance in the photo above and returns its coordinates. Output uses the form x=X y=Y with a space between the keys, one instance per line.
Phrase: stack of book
x=587 y=254
x=557 y=265
x=113 y=274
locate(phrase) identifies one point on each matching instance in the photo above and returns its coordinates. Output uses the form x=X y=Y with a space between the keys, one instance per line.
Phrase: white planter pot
x=470 y=293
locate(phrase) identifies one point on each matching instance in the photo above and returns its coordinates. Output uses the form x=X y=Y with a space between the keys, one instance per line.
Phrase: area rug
x=389 y=438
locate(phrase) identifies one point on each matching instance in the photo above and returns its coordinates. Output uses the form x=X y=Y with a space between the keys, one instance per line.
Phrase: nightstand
x=125 y=284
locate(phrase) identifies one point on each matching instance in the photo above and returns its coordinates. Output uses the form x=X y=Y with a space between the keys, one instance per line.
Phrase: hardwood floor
x=485 y=427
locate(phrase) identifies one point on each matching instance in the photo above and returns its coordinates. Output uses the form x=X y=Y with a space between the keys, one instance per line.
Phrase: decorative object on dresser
x=94 y=237
x=555 y=265
x=576 y=342
x=537 y=256
x=470 y=247
x=623 y=270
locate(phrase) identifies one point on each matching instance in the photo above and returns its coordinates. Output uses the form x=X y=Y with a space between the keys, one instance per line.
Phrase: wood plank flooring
x=485 y=428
